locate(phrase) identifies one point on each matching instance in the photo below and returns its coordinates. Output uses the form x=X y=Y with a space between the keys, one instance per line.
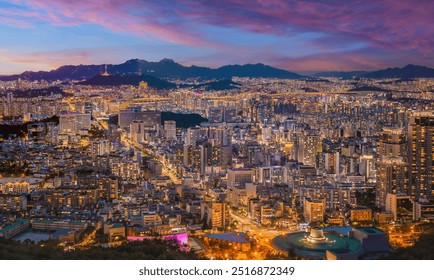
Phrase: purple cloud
x=356 y=30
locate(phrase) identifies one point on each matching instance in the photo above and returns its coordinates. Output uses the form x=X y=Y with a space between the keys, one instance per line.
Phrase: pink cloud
x=386 y=23
x=53 y=59
x=119 y=16
x=392 y=28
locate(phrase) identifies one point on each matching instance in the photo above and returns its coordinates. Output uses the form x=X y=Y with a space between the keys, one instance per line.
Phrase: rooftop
x=370 y=230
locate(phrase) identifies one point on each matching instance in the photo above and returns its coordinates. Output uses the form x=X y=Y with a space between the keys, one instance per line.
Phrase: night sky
x=300 y=36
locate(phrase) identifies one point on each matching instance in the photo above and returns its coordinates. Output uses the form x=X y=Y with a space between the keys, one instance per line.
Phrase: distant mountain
x=254 y=71
x=408 y=72
x=165 y=68
x=340 y=74
x=134 y=80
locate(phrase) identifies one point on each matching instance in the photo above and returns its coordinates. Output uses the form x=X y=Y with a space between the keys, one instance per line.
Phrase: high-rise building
x=310 y=144
x=215 y=114
x=100 y=147
x=150 y=118
x=391 y=178
x=72 y=122
x=82 y=121
x=401 y=206
x=170 y=130
x=392 y=142
x=215 y=214
x=195 y=134
x=332 y=163
x=367 y=166
x=314 y=210
x=421 y=155
x=240 y=177
x=230 y=114
x=67 y=124
x=219 y=136
x=137 y=131
x=240 y=186
x=9 y=98
x=108 y=187
x=266 y=134
x=391 y=167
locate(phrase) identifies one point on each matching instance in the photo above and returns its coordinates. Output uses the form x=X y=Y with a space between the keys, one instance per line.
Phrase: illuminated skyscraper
x=391 y=166
x=137 y=131
x=391 y=178
x=310 y=145
x=170 y=130
x=421 y=155
x=392 y=142
x=215 y=114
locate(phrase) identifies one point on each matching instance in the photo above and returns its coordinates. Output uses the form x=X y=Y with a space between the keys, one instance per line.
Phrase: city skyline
x=304 y=130
x=299 y=36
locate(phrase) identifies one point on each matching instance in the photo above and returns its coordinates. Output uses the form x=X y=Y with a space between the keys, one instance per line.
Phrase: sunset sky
x=300 y=36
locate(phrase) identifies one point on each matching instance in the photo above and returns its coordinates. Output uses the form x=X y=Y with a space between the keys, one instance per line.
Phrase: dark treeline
x=144 y=250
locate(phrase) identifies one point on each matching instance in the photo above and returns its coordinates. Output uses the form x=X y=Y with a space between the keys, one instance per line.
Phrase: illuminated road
x=263 y=236
x=70 y=104
x=104 y=125
x=166 y=170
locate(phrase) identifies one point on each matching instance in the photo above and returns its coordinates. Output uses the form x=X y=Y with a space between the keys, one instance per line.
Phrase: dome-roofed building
x=360 y=243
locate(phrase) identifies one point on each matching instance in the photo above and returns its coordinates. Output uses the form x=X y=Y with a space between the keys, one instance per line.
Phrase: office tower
x=126 y=117
x=67 y=123
x=72 y=122
x=421 y=155
x=83 y=121
x=87 y=108
x=150 y=118
x=240 y=186
x=137 y=131
x=170 y=130
x=230 y=114
x=195 y=134
x=225 y=158
x=215 y=114
x=240 y=177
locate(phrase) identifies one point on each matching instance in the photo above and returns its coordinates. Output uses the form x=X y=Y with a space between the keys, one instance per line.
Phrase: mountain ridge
x=407 y=72
x=165 y=68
